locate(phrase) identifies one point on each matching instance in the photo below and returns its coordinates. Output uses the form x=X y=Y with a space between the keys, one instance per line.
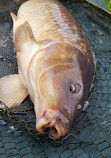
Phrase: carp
x=56 y=65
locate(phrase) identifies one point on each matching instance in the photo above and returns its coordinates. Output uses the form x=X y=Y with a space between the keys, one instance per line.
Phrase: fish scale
x=55 y=65
x=49 y=20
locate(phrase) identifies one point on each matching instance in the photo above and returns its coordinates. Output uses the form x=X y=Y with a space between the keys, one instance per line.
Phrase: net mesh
x=90 y=136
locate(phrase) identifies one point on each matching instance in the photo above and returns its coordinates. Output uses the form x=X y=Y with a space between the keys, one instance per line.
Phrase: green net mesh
x=90 y=136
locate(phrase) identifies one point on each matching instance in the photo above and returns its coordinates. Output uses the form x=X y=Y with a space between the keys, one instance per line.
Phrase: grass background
x=100 y=3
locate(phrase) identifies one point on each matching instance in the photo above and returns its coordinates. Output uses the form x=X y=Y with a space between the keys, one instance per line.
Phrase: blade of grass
x=108 y=4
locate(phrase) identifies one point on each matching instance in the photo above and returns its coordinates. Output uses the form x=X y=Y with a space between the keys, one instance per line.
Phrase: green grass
x=108 y=4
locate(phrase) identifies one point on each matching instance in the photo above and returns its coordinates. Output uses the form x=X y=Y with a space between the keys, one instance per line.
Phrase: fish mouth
x=52 y=124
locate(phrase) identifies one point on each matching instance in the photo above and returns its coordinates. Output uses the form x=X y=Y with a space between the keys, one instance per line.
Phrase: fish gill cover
x=90 y=136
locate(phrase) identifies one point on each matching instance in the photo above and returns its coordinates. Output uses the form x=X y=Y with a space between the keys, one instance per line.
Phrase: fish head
x=62 y=87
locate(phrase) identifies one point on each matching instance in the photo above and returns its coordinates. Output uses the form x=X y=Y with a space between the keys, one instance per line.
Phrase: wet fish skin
x=53 y=53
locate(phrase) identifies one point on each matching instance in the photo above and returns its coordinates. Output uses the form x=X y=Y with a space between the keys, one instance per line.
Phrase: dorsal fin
x=23 y=35
x=14 y=17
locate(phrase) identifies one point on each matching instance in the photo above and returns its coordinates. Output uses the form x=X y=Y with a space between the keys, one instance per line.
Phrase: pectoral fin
x=23 y=36
x=12 y=92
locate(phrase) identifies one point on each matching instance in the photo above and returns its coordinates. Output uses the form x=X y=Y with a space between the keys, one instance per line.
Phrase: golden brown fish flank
x=55 y=65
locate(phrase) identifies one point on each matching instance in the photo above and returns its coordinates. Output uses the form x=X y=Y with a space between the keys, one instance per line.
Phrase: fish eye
x=74 y=88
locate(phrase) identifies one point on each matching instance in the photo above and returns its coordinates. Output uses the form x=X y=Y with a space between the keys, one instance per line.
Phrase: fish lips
x=54 y=123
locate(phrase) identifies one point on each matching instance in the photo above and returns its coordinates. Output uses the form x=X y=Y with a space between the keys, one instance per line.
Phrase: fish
x=56 y=65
